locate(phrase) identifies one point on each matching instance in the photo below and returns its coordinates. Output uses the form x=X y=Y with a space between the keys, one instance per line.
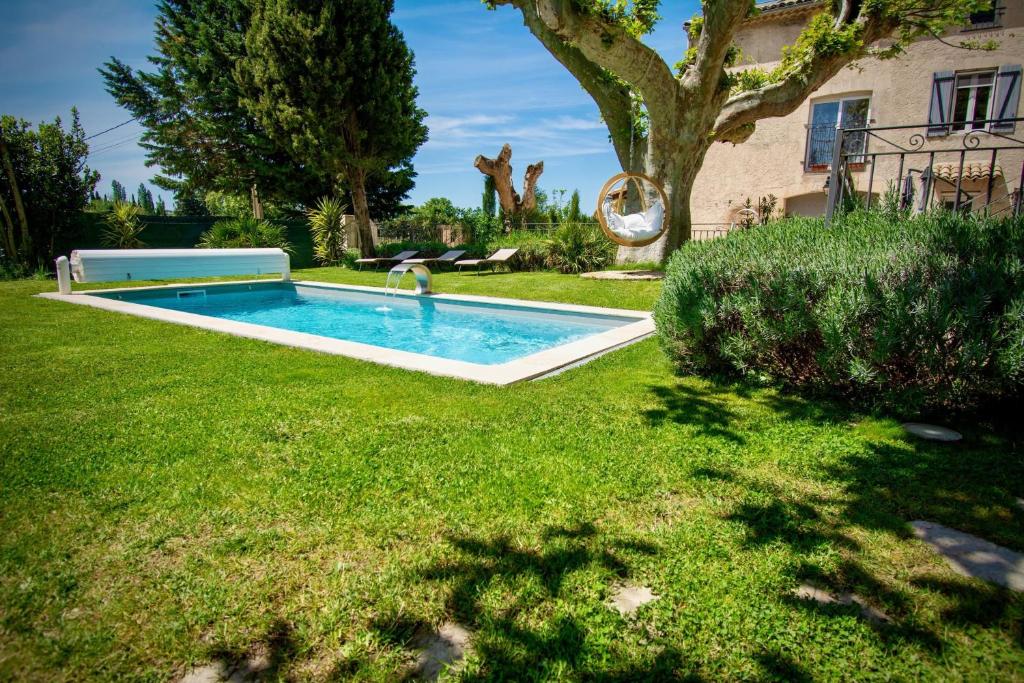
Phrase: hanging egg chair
x=632 y=229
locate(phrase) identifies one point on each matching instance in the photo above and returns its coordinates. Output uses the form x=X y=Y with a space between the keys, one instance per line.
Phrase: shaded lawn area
x=169 y=496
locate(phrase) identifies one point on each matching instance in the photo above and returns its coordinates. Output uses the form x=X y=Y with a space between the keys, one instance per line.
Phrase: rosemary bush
x=905 y=314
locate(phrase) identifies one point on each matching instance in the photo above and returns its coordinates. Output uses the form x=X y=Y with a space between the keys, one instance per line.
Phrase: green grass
x=169 y=496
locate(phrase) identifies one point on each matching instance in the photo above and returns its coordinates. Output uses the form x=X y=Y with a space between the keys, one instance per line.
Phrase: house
x=946 y=92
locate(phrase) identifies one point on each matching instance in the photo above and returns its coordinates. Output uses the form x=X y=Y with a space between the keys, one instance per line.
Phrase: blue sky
x=483 y=80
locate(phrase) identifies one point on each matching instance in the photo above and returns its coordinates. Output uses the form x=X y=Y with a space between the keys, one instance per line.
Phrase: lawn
x=172 y=496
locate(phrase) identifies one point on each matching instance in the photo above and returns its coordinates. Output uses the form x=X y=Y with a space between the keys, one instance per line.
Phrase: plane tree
x=662 y=120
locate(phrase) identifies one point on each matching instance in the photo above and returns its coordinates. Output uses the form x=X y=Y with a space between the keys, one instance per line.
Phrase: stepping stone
x=867 y=611
x=931 y=432
x=627 y=598
x=208 y=673
x=220 y=672
x=441 y=650
x=972 y=556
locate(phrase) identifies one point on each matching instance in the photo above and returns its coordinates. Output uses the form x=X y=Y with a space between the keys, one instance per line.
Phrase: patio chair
x=448 y=258
x=397 y=258
x=499 y=257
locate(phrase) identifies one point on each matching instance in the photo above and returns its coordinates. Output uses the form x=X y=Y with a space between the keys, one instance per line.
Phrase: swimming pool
x=480 y=338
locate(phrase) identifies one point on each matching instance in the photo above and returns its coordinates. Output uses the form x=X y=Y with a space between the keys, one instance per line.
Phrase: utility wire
x=103 y=132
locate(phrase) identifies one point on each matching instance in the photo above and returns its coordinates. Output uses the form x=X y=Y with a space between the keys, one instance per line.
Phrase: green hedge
x=168 y=232
x=908 y=315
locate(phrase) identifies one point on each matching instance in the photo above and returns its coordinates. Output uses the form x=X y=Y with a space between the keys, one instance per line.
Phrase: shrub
x=579 y=248
x=906 y=314
x=326 y=226
x=532 y=246
x=123 y=227
x=244 y=233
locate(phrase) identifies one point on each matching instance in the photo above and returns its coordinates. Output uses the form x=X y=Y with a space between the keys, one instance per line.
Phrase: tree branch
x=607 y=45
x=721 y=19
x=734 y=123
x=610 y=95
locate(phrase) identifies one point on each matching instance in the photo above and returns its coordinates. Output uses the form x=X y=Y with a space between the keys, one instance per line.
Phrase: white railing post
x=63 y=275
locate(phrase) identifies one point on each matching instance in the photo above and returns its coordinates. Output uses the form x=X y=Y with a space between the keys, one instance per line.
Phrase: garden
x=741 y=495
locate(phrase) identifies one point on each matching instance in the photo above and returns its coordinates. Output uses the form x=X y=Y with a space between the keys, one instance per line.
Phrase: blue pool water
x=477 y=333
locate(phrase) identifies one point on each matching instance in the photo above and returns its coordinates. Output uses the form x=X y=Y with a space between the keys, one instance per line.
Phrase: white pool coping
x=533 y=366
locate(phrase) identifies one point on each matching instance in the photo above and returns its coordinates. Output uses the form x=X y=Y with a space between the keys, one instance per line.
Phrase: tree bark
x=19 y=207
x=9 y=244
x=357 y=186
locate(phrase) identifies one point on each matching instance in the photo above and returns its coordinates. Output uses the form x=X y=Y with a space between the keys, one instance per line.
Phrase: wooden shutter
x=1007 y=97
x=941 y=103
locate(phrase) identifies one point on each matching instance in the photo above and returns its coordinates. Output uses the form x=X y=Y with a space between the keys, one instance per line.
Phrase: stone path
x=624 y=275
x=627 y=598
x=872 y=614
x=972 y=556
x=441 y=650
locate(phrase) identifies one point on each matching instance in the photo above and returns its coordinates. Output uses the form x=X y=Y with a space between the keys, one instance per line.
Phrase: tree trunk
x=500 y=169
x=19 y=207
x=8 y=244
x=675 y=167
x=257 y=205
x=357 y=186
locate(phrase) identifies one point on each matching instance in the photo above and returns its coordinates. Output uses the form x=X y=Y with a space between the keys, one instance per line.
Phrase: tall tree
x=197 y=130
x=118 y=191
x=44 y=186
x=489 y=205
x=145 y=200
x=333 y=81
x=662 y=122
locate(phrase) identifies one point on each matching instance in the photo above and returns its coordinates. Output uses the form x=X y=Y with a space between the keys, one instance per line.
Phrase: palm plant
x=326 y=223
x=244 y=233
x=123 y=227
x=579 y=248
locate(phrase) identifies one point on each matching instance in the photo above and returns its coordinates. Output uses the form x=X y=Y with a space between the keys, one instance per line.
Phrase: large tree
x=44 y=186
x=662 y=122
x=333 y=80
x=196 y=128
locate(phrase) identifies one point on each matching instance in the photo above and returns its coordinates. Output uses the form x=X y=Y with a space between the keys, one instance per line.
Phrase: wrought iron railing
x=928 y=170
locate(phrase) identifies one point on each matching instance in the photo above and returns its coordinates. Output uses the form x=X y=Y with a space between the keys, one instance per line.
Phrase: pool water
x=482 y=333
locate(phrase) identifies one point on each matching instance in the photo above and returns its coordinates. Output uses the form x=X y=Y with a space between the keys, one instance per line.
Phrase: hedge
x=904 y=314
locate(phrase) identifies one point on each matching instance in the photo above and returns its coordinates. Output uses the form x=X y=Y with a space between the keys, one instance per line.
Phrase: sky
x=483 y=80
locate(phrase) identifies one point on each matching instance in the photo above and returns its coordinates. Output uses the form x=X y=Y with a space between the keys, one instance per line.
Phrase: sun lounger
x=397 y=258
x=448 y=258
x=498 y=257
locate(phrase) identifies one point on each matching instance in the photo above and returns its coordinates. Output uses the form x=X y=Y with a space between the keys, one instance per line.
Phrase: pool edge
x=535 y=366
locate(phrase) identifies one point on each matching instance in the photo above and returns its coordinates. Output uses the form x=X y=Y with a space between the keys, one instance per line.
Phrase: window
x=849 y=112
x=987 y=18
x=972 y=99
x=948 y=201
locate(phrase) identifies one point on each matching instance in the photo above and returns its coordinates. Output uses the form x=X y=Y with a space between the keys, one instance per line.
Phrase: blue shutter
x=1007 y=98
x=941 y=105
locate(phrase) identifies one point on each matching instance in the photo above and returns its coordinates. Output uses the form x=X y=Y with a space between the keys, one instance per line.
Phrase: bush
x=904 y=314
x=244 y=233
x=123 y=227
x=326 y=226
x=532 y=246
x=579 y=248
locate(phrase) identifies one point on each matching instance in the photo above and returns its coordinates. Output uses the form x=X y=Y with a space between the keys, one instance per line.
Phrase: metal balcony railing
x=922 y=166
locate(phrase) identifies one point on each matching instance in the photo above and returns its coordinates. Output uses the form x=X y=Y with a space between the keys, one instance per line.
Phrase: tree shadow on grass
x=269 y=659
x=883 y=487
x=495 y=587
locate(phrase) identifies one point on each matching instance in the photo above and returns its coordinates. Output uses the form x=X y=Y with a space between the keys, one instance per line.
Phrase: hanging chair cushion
x=635 y=227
